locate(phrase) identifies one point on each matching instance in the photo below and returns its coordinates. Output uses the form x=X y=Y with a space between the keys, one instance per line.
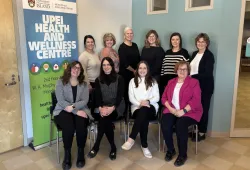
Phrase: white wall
x=97 y=17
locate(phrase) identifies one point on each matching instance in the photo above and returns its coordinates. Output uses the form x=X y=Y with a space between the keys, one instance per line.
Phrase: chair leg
x=196 y=139
x=163 y=145
x=50 y=140
x=57 y=147
x=159 y=137
x=128 y=132
x=125 y=131
x=90 y=136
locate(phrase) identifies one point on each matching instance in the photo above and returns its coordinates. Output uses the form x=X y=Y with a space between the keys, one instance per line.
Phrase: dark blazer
x=205 y=72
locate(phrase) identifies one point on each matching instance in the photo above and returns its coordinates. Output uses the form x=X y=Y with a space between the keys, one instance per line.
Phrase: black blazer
x=205 y=72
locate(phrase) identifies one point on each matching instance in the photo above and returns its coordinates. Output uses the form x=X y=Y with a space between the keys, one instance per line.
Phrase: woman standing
x=153 y=53
x=71 y=111
x=90 y=61
x=143 y=95
x=182 y=108
x=109 y=92
x=202 y=67
x=109 y=41
x=129 y=58
x=175 y=54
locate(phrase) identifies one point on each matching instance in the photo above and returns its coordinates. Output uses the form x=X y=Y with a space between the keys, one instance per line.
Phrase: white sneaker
x=146 y=152
x=127 y=145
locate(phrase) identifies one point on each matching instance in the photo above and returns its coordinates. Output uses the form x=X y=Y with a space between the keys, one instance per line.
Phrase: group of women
x=123 y=79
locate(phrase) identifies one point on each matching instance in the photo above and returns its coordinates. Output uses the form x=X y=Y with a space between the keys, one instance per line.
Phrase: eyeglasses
x=201 y=42
x=184 y=70
x=76 y=68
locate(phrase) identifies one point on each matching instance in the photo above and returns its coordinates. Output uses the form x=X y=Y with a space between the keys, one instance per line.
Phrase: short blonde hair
x=126 y=29
x=181 y=63
x=108 y=36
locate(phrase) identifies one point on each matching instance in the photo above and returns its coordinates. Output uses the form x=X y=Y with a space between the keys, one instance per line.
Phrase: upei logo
x=31 y=3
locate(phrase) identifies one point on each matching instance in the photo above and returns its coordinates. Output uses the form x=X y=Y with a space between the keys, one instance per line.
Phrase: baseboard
x=218 y=134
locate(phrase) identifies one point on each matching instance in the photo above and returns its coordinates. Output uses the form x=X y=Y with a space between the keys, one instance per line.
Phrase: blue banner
x=51 y=40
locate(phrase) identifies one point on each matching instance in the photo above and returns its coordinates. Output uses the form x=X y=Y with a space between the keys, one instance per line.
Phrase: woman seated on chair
x=182 y=101
x=71 y=112
x=143 y=95
x=109 y=90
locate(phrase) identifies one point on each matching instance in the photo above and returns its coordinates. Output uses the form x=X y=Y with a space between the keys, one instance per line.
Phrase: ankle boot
x=80 y=158
x=66 y=165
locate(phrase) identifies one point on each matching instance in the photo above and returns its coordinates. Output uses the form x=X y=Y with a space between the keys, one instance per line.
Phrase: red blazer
x=190 y=93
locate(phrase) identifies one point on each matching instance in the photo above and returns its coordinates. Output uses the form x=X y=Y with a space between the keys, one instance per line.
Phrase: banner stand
x=35 y=148
x=52 y=43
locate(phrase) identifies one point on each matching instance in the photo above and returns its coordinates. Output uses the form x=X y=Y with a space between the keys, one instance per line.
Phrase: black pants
x=205 y=101
x=106 y=127
x=70 y=124
x=181 y=124
x=142 y=117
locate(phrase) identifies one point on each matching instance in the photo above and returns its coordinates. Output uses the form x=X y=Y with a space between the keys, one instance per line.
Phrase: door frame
x=21 y=52
x=238 y=132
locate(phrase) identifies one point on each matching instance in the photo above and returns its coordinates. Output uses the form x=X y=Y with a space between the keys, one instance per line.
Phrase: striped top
x=171 y=58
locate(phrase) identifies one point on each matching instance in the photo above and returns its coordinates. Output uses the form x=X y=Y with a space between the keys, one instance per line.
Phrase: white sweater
x=91 y=65
x=136 y=95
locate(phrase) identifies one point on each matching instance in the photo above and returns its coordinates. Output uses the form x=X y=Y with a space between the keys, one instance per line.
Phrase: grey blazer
x=64 y=96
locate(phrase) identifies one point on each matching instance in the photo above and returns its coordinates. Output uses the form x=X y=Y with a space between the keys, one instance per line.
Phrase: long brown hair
x=149 y=81
x=157 y=40
x=67 y=73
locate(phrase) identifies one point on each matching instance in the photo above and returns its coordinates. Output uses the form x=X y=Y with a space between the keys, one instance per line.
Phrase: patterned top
x=110 y=52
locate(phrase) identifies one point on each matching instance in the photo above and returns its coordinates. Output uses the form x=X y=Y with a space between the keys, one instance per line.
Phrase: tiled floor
x=214 y=153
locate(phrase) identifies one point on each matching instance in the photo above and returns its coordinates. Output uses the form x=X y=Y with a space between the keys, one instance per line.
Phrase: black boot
x=66 y=165
x=80 y=158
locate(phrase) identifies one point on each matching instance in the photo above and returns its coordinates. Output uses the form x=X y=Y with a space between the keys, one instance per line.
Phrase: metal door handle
x=10 y=84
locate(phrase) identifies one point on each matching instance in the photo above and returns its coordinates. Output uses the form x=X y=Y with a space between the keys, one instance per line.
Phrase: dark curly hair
x=67 y=73
x=149 y=81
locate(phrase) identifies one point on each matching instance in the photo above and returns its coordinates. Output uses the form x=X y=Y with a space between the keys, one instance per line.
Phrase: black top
x=205 y=71
x=74 y=90
x=153 y=56
x=129 y=56
x=98 y=93
x=171 y=58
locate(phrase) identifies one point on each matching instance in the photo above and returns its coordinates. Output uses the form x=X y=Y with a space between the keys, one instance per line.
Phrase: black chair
x=52 y=121
x=58 y=128
x=155 y=121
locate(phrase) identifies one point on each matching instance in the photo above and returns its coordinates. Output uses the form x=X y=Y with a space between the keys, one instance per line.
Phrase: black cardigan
x=205 y=72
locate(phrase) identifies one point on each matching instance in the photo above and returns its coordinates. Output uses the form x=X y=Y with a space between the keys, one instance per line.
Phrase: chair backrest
x=53 y=99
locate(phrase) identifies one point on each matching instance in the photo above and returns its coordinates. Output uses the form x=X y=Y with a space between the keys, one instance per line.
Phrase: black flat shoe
x=80 y=158
x=92 y=153
x=112 y=155
x=80 y=164
x=200 y=137
x=66 y=165
x=169 y=155
x=180 y=161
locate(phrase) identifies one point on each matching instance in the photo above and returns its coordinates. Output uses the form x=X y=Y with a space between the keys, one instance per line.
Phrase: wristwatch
x=185 y=111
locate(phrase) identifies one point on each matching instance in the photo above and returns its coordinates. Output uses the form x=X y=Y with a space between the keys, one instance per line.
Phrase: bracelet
x=185 y=111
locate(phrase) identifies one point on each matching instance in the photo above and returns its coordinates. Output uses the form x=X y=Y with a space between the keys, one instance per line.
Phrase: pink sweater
x=190 y=93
